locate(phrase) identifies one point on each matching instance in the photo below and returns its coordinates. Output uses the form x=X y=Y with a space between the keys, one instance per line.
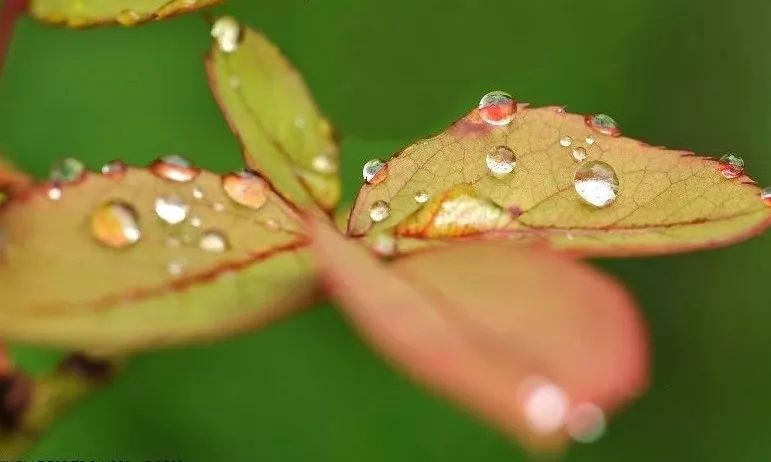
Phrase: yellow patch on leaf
x=84 y=13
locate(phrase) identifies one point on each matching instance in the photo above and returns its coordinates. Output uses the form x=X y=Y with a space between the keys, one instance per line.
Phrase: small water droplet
x=218 y=206
x=213 y=241
x=271 y=224
x=172 y=241
x=175 y=168
x=545 y=405
x=299 y=122
x=115 y=225
x=128 y=18
x=325 y=163
x=227 y=31
x=171 y=208
x=67 y=170
x=246 y=188
x=560 y=110
x=501 y=160
x=590 y=140
x=384 y=244
x=421 y=197
x=234 y=82
x=765 y=194
x=54 y=193
x=195 y=222
x=586 y=423
x=731 y=165
x=579 y=153
x=603 y=123
x=497 y=108
x=566 y=141
x=596 y=183
x=379 y=211
x=375 y=171
x=175 y=268
x=114 y=169
x=198 y=193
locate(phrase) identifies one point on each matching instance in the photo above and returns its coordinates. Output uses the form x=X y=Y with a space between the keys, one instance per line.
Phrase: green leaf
x=667 y=201
x=270 y=109
x=528 y=339
x=75 y=272
x=84 y=13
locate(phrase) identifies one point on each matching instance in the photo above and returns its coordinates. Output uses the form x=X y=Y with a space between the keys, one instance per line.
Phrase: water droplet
x=114 y=169
x=195 y=222
x=128 y=18
x=497 y=108
x=213 y=241
x=227 y=32
x=67 y=170
x=501 y=160
x=218 y=206
x=175 y=268
x=299 y=122
x=596 y=182
x=603 y=123
x=765 y=194
x=731 y=165
x=421 y=197
x=54 y=193
x=579 y=153
x=246 y=188
x=545 y=405
x=379 y=211
x=175 y=168
x=234 y=82
x=384 y=244
x=586 y=423
x=325 y=163
x=590 y=140
x=375 y=171
x=115 y=225
x=198 y=193
x=171 y=208
x=560 y=110
x=271 y=224
x=566 y=141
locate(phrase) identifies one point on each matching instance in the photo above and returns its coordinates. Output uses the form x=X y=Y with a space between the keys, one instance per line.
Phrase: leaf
x=84 y=13
x=268 y=106
x=492 y=324
x=11 y=180
x=668 y=201
x=5 y=361
x=65 y=285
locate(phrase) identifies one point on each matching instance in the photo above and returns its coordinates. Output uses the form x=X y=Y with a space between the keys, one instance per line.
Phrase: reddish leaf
x=442 y=189
x=84 y=13
x=503 y=329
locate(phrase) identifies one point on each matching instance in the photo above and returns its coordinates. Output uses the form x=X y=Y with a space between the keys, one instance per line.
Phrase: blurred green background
x=673 y=72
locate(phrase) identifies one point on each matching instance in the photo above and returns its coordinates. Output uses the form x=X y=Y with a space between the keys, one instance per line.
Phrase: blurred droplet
x=731 y=165
x=501 y=160
x=246 y=188
x=213 y=241
x=566 y=141
x=227 y=32
x=384 y=244
x=175 y=168
x=545 y=405
x=603 y=123
x=198 y=193
x=325 y=163
x=596 y=183
x=590 y=140
x=175 y=267
x=67 y=170
x=375 y=171
x=114 y=169
x=54 y=193
x=115 y=225
x=579 y=153
x=171 y=208
x=421 y=197
x=497 y=108
x=379 y=211
x=586 y=423
x=195 y=222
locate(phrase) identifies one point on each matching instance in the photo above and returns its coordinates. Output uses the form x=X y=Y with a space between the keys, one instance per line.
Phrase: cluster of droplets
x=227 y=32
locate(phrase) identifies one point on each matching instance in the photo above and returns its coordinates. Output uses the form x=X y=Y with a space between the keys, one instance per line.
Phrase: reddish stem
x=10 y=10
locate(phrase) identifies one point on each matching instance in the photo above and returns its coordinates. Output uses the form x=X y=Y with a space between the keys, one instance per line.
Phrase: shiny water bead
x=54 y=193
x=545 y=405
x=603 y=123
x=175 y=168
x=501 y=160
x=67 y=170
x=596 y=183
x=115 y=225
x=579 y=153
x=590 y=140
x=114 y=169
x=213 y=241
x=325 y=163
x=421 y=197
x=497 y=108
x=765 y=195
x=379 y=211
x=128 y=17
x=566 y=141
x=227 y=32
x=375 y=171
x=246 y=188
x=731 y=165
x=171 y=208
x=585 y=423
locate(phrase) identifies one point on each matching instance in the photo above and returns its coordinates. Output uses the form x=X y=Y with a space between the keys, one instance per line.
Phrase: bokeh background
x=673 y=72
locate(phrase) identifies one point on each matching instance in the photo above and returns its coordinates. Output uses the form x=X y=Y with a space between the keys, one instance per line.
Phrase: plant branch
x=10 y=11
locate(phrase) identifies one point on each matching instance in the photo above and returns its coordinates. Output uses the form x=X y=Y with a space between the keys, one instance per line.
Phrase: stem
x=10 y=10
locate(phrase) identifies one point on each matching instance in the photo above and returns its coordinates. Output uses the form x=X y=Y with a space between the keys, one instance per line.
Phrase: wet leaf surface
x=84 y=13
x=481 y=323
x=134 y=260
x=647 y=200
x=271 y=110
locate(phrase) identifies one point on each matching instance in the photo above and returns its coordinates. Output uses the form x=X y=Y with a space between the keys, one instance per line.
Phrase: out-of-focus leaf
x=668 y=201
x=84 y=13
x=524 y=337
x=223 y=269
x=268 y=106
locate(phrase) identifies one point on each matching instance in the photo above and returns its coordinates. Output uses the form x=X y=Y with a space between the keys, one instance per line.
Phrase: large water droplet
x=114 y=169
x=603 y=123
x=379 y=211
x=246 y=188
x=227 y=32
x=421 y=197
x=67 y=170
x=765 y=195
x=566 y=141
x=501 y=160
x=579 y=153
x=115 y=225
x=597 y=184
x=497 y=108
x=375 y=171
x=545 y=405
x=128 y=18
x=213 y=241
x=175 y=168
x=586 y=423
x=731 y=165
x=171 y=208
